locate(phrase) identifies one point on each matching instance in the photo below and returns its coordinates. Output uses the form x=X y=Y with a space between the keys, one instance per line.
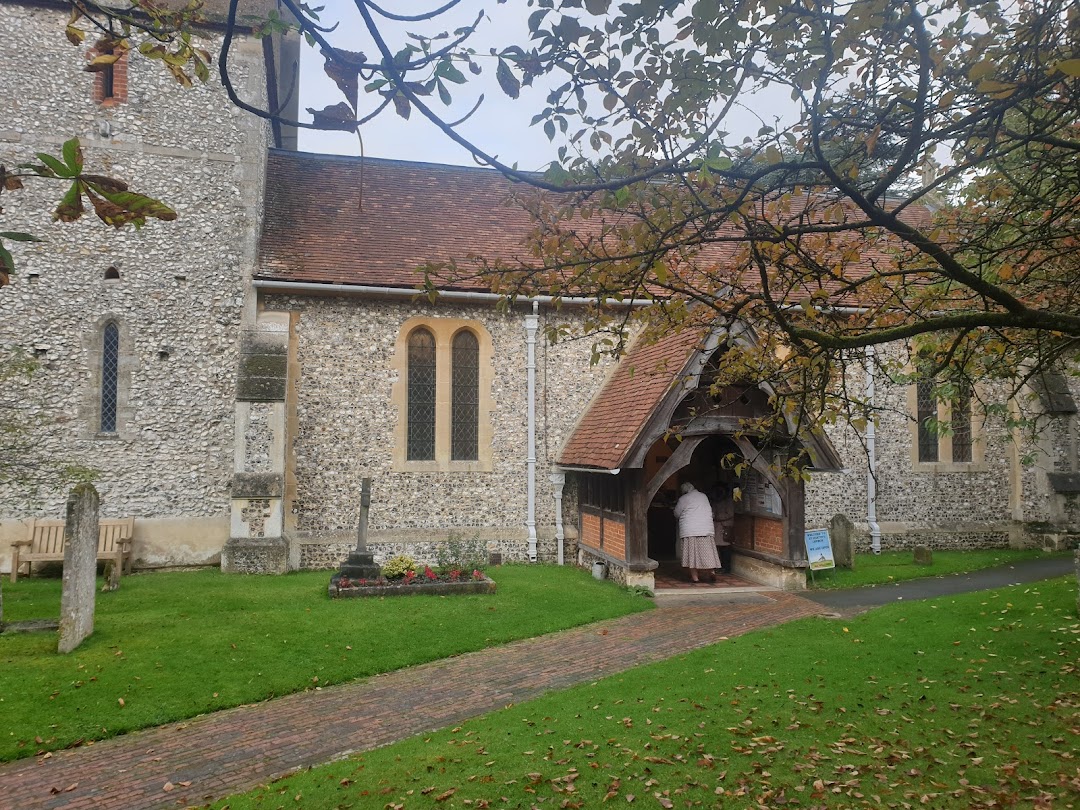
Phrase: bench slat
x=45 y=543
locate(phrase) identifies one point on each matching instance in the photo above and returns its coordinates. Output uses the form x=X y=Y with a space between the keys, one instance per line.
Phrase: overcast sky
x=501 y=126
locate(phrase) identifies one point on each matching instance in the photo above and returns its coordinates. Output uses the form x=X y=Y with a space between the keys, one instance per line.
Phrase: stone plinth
x=360 y=565
x=398 y=588
x=251 y=555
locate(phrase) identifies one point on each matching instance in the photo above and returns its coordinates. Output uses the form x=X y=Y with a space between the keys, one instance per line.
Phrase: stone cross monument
x=361 y=563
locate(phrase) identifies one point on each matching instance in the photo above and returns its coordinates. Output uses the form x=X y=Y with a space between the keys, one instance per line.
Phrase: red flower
x=429 y=573
x=363 y=582
x=455 y=575
x=344 y=582
x=410 y=577
x=476 y=574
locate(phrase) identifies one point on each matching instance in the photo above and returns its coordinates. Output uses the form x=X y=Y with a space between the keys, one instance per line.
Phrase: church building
x=233 y=376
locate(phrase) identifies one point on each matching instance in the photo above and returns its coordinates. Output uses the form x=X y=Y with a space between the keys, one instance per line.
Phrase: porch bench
x=45 y=543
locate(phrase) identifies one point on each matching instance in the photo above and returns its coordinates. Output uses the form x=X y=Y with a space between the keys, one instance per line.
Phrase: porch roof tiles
x=613 y=422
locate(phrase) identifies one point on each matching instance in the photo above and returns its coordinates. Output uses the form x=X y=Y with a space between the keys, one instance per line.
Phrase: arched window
x=110 y=357
x=927 y=418
x=421 y=437
x=442 y=396
x=465 y=397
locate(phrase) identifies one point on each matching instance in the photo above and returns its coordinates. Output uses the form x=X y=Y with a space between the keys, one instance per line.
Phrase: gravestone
x=80 y=567
x=1076 y=558
x=842 y=532
x=360 y=563
x=112 y=576
x=923 y=555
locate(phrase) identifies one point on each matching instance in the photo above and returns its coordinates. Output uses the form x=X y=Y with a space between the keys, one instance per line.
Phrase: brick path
x=234 y=750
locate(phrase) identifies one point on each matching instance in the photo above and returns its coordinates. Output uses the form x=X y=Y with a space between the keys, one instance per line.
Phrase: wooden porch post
x=794 y=497
x=637 y=521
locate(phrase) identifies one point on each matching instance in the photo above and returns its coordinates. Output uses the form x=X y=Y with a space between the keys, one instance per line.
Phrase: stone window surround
x=90 y=410
x=944 y=414
x=444 y=330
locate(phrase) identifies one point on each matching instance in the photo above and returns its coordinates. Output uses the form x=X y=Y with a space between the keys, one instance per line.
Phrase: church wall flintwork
x=347 y=424
x=178 y=299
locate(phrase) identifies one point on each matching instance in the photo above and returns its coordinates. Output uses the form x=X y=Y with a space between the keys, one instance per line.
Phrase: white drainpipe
x=532 y=323
x=871 y=458
x=558 y=481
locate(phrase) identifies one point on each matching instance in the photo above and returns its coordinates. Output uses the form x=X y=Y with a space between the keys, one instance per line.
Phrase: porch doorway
x=709 y=471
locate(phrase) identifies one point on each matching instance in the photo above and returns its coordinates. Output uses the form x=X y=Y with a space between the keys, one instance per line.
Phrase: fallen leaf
x=168 y=786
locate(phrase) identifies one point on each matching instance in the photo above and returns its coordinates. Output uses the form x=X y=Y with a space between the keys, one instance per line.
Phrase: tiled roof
x=618 y=414
x=341 y=220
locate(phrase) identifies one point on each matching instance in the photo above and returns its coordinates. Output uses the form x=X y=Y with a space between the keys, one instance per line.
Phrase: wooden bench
x=45 y=543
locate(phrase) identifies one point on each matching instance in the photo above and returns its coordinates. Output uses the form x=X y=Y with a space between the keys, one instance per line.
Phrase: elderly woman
x=695 y=516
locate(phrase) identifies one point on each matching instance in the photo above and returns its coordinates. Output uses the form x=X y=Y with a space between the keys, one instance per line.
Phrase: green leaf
x=444 y=94
x=402 y=106
x=73 y=155
x=17 y=236
x=71 y=206
x=1070 y=67
x=447 y=71
x=7 y=264
x=507 y=80
x=54 y=165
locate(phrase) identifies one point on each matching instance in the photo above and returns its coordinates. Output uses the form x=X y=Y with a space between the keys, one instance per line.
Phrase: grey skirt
x=700 y=552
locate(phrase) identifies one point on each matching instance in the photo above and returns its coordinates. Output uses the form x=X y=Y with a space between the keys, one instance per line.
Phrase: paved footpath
x=856 y=600
x=226 y=752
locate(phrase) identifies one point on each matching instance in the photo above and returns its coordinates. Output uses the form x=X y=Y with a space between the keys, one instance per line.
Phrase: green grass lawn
x=961 y=702
x=896 y=566
x=169 y=646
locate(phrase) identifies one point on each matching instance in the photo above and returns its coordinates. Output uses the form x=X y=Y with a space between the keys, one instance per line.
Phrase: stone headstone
x=112 y=576
x=842 y=533
x=923 y=555
x=1076 y=558
x=80 y=567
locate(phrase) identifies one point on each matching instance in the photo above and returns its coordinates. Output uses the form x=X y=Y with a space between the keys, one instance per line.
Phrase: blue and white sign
x=819 y=550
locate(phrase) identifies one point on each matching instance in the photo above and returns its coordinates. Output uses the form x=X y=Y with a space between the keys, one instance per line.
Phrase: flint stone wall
x=947 y=503
x=327 y=553
x=180 y=294
x=345 y=428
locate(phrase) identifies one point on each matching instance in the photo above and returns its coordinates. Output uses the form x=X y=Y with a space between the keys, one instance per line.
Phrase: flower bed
x=426 y=582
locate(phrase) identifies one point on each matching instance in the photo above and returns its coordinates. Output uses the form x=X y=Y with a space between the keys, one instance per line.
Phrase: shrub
x=399 y=566
x=460 y=554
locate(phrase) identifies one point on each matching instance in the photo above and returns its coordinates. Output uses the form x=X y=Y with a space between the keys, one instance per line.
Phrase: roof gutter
x=286 y=287
x=600 y=470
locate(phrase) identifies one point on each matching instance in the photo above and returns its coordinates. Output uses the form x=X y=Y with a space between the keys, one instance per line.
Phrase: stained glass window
x=961 y=425
x=465 y=398
x=927 y=416
x=110 y=358
x=421 y=440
